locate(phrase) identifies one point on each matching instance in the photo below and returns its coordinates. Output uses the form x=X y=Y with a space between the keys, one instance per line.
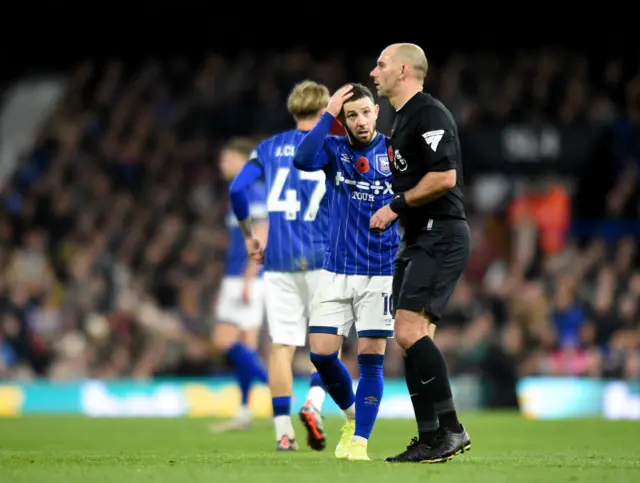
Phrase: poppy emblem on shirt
x=362 y=165
x=390 y=153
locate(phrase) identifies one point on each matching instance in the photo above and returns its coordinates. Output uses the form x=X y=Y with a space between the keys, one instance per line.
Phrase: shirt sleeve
x=314 y=151
x=249 y=174
x=438 y=139
x=258 y=202
x=256 y=157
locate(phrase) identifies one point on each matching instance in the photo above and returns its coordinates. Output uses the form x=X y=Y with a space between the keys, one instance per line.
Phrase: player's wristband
x=398 y=204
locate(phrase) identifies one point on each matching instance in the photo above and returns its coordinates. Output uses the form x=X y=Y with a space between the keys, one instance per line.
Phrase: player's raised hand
x=255 y=249
x=382 y=218
x=338 y=99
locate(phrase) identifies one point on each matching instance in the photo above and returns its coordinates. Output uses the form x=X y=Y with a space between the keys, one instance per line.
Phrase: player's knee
x=225 y=335
x=250 y=338
x=410 y=327
x=321 y=361
x=282 y=349
x=223 y=344
x=324 y=344
x=280 y=358
x=372 y=345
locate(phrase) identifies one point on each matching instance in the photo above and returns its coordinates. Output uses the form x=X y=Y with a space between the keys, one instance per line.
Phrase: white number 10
x=289 y=204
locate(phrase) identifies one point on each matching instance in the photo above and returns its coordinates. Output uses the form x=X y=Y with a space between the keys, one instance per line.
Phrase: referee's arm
x=438 y=146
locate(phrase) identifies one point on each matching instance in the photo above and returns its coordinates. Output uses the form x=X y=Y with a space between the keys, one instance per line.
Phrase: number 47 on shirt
x=285 y=200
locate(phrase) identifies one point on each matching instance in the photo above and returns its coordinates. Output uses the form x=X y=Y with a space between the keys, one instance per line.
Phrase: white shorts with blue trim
x=288 y=297
x=231 y=309
x=342 y=300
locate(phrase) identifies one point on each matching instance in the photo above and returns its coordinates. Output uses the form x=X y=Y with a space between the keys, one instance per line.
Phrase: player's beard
x=355 y=140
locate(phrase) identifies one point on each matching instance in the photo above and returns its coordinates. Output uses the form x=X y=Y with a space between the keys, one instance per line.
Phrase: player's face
x=385 y=74
x=231 y=163
x=361 y=116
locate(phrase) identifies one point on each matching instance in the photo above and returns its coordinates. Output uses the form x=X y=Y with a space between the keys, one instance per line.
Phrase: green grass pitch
x=505 y=448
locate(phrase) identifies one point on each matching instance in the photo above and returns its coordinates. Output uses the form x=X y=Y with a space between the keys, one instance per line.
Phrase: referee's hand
x=382 y=218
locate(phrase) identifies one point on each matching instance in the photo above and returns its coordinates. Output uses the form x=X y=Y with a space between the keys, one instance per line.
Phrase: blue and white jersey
x=236 y=250
x=358 y=185
x=298 y=209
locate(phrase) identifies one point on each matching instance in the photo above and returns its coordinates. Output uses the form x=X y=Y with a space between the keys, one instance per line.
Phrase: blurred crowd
x=112 y=239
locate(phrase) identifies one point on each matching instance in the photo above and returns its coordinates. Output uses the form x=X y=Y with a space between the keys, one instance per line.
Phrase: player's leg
x=311 y=412
x=281 y=386
x=331 y=317
x=368 y=395
x=317 y=391
x=235 y=336
x=428 y=282
x=374 y=322
x=287 y=330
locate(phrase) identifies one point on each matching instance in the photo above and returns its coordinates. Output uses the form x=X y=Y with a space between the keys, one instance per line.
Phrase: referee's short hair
x=414 y=56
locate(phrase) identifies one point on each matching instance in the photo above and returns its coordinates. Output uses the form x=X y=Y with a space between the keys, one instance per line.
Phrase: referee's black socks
x=423 y=408
x=430 y=380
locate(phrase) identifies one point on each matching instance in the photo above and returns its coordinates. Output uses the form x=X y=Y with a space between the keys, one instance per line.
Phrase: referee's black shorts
x=429 y=265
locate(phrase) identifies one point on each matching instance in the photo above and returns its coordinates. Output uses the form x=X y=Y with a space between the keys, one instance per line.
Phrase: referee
x=424 y=154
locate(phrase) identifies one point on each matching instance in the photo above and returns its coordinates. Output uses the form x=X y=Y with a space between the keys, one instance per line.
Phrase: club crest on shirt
x=382 y=164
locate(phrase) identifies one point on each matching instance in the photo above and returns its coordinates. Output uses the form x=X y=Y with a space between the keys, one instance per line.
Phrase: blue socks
x=248 y=368
x=369 y=393
x=281 y=406
x=338 y=384
x=315 y=380
x=336 y=378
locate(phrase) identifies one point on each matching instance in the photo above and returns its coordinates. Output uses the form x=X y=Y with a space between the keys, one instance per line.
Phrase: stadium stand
x=110 y=228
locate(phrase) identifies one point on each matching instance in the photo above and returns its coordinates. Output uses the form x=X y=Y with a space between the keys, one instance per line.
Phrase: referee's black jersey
x=424 y=138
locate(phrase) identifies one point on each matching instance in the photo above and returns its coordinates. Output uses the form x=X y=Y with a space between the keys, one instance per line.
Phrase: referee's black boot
x=444 y=447
x=448 y=444
x=416 y=452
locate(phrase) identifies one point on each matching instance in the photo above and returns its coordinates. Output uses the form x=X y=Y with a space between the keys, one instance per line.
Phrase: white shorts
x=342 y=300
x=288 y=302
x=231 y=309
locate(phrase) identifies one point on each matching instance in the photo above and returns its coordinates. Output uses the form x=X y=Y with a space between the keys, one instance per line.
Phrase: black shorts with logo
x=429 y=265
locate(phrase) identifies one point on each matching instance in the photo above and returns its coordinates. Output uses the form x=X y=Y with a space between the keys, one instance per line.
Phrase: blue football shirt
x=297 y=206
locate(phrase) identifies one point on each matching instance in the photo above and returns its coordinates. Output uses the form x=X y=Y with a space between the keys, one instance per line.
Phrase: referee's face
x=361 y=116
x=385 y=74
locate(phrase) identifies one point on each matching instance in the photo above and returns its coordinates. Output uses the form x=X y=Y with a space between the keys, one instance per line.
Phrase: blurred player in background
x=356 y=283
x=298 y=226
x=240 y=306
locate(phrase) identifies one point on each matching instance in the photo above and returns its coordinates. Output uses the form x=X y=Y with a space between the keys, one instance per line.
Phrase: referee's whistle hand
x=382 y=218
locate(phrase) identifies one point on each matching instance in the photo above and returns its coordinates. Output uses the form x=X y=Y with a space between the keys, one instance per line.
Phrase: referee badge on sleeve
x=432 y=138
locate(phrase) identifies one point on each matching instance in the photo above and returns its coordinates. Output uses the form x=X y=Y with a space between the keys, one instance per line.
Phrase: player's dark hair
x=359 y=92
x=243 y=146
